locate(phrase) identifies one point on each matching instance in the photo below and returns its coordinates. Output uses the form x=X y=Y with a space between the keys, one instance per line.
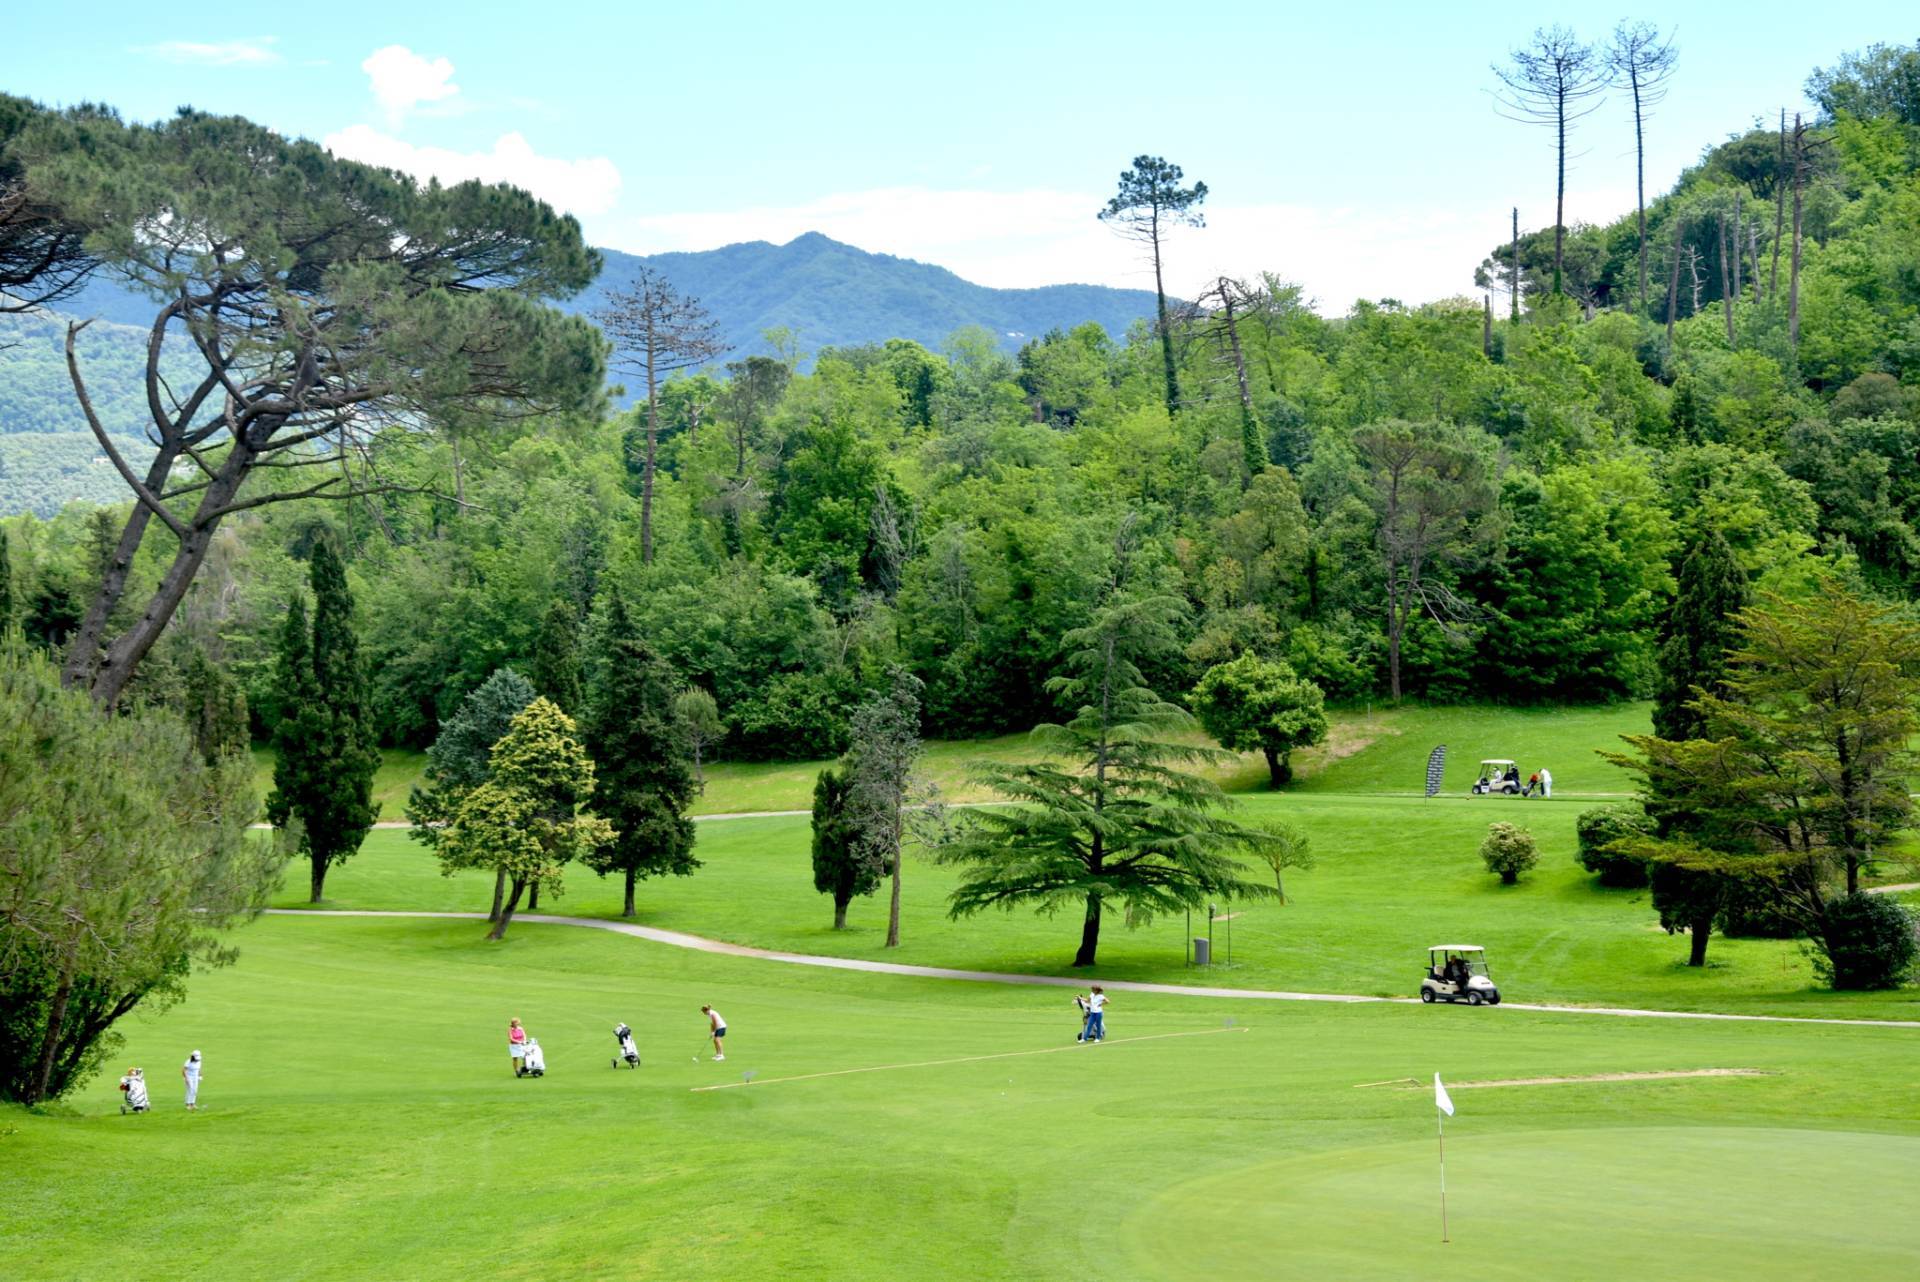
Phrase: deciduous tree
x=884 y=738
x=530 y=818
x=1259 y=705
x=124 y=861
x=460 y=761
x=701 y=725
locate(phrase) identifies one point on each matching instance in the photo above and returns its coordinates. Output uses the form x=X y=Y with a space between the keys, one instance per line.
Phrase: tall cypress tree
x=642 y=762
x=555 y=670
x=325 y=749
x=1696 y=634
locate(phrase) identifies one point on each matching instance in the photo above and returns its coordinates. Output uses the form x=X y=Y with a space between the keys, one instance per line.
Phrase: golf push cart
x=1497 y=774
x=1458 y=973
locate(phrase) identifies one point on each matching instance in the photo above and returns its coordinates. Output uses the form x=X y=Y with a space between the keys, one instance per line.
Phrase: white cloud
x=253 y=51
x=1044 y=237
x=584 y=187
x=402 y=80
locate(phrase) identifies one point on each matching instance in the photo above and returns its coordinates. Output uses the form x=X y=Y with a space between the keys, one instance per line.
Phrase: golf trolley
x=1458 y=973
x=629 y=1053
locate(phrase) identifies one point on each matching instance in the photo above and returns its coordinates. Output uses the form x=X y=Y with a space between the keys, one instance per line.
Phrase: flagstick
x=1441 y=1118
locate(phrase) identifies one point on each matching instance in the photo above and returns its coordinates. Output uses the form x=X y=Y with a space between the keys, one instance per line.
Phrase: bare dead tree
x=1779 y=209
x=1641 y=60
x=656 y=332
x=1693 y=275
x=1753 y=256
x=1726 y=280
x=1555 y=81
x=1673 y=277
x=1799 y=169
x=1513 y=273
x=1486 y=329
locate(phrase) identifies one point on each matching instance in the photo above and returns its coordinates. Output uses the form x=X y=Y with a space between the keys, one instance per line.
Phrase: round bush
x=1509 y=851
x=1866 y=941
x=1599 y=828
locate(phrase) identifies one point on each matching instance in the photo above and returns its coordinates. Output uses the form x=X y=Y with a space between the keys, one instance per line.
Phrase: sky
x=1352 y=148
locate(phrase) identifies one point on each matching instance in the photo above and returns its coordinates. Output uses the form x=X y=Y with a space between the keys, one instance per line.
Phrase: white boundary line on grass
x=699 y=943
x=965 y=1059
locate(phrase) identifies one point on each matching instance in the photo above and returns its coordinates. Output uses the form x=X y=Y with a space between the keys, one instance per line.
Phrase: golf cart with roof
x=1458 y=973
x=1497 y=774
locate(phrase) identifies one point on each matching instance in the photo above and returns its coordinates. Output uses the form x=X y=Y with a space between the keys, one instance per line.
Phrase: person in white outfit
x=717 y=1027
x=190 y=1073
x=1546 y=782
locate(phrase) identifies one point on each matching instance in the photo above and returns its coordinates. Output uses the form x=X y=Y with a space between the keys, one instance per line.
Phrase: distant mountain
x=829 y=294
x=835 y=295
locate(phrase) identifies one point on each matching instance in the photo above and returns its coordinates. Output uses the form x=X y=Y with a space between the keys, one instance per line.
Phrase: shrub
x=1865 y=941
x=1753 y=910
x=1599 y=828
x=1509 y=851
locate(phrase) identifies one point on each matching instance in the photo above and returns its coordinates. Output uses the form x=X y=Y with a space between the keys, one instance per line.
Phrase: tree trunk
x=533 y=897
x=499 y=930
x=893 y=907
x=1793 y=277
x=318 y=879
x=1673 y=279
x=1089 y=932
x=1779 y=210
x=1739 y=250
x=627 y=910
x=499 y=893
x=42 y=1080
x=1486 y=329
x=1393 y=633
x=646 y=474
x=840 y=903
x=1640 y=183
x=1560 y=192
x=1166 y=332
x=1698 y=933
x=1513 y=275
x=1509 y=877
x=1278 y=771
x=1726 y=284
x=108 y=681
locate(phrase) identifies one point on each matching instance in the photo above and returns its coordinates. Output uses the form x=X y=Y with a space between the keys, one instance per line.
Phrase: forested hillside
x=1437 y=501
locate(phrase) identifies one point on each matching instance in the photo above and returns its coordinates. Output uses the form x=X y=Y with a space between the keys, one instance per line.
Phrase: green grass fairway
x=1395 y=874
x=1623 y=1202
x=360 y=1122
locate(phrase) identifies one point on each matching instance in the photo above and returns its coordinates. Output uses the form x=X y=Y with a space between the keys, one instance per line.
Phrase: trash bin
x=1203 y=951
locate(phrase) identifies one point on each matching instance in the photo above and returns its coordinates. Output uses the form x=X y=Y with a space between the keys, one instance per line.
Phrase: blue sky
x=1350 y=147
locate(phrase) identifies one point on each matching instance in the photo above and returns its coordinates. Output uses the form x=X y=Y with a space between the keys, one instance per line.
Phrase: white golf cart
x=1458 y=973
x=1497 y=774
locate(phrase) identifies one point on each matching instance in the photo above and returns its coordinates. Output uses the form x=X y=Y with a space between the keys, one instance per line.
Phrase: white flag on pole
x=1442 y=1100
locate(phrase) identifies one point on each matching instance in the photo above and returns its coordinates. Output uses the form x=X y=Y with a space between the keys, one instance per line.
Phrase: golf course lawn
x=1394 y=875
x=359 y=1121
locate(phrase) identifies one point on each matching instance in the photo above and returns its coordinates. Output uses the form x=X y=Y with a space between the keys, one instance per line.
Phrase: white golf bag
x=535 y=1064
x=629 y=1053
x=135 y=1086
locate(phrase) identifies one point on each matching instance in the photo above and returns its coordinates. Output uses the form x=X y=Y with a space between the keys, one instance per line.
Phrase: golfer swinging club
x=717 y=1026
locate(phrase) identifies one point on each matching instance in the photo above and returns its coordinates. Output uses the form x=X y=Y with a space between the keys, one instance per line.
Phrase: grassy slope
x=360 y=1123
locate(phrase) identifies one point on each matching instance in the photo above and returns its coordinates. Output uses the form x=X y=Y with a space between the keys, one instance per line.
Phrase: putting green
x=1616 y=1203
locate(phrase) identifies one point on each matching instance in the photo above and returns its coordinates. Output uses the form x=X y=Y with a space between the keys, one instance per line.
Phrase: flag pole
x=1441 y=1118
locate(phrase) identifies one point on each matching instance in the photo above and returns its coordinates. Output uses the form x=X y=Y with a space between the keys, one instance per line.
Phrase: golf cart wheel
x=1426 y=995
x=1474 y=999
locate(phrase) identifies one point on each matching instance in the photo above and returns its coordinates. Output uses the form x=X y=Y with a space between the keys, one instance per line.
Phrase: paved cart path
x=700 y=943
